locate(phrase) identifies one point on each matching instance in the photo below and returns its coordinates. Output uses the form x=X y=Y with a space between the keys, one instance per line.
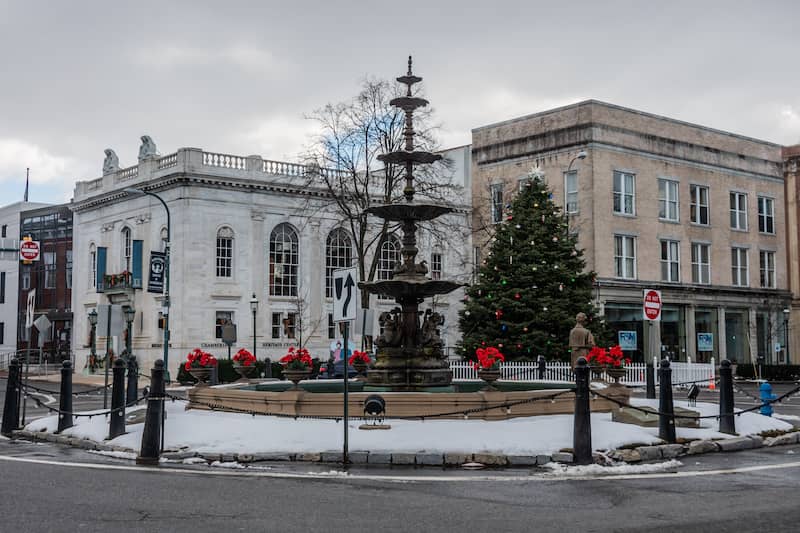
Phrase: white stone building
x=9 y=272
x=240 y=226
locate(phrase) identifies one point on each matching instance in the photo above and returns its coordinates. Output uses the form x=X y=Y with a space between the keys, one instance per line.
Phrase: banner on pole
x=158 y=270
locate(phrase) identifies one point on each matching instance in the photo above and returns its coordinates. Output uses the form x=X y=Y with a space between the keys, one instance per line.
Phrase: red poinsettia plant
x=244 y=357
x=488 y=358
x=612 y=357
x=359 y=356
x=297 y=359
x=197 y=358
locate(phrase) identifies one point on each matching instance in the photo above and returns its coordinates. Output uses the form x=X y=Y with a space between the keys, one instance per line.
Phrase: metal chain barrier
x=39 y=403
x=81 y=393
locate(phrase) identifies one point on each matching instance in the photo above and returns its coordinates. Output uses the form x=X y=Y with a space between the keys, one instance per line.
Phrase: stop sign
x=652 y=304
x=29 y=250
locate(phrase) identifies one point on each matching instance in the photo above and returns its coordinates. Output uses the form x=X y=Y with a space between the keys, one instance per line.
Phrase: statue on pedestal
x=581 y=339
x=111 y=162
x=147 y=148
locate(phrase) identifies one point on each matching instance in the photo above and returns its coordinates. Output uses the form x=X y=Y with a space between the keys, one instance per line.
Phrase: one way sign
x=345 y=294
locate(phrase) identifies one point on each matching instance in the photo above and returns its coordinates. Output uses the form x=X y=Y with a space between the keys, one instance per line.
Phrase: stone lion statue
x=111 y=162
x=148 y=148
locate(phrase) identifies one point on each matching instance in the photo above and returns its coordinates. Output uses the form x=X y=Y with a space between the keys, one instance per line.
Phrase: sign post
x=345 y=290
x=28 y=325
x=651 y=308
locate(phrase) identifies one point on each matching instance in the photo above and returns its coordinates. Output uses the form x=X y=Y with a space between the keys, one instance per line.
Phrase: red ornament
x=519 y=346
x=525 y=329
x=518 y=296
x=500 y=345
x=498 y=314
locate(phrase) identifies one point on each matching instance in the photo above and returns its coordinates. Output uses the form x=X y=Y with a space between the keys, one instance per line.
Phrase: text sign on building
x=652 y=304
x=29 y=250
x=345 y=294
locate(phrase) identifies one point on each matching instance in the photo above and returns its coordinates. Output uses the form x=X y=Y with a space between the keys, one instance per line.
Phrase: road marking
x=398 y=478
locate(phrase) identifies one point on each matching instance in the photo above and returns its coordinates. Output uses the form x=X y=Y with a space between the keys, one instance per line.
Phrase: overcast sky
x=237 y=77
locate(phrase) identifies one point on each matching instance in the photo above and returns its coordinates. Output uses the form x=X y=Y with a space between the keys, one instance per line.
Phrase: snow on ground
x=219 y=432
x=562 y=470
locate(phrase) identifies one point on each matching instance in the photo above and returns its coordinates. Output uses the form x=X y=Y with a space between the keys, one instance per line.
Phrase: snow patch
x=116 y=454
x=561 y=470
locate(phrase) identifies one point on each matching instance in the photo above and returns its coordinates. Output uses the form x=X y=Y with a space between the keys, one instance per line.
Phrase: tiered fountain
x=409 y=354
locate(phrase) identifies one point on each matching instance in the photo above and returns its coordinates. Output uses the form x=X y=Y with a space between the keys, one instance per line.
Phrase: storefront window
x=673 y=333
x=737 y=344
x=705 y=327
x=626 y=321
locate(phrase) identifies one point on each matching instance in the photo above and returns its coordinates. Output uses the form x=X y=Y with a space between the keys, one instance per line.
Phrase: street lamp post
x=579 y=155
x=254 y=309
x=130 y=314
x=93 y=346
x=166 y=276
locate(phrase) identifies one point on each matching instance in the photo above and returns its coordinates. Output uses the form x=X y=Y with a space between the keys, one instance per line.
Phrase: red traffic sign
x=29 y=250
x=652 y=304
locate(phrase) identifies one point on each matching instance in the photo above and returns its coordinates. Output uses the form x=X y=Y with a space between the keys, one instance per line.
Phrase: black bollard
x=268 y=368
x=11 y=406
x=582 y=430
x=650 y=382
x=726 y=419
x=65 y=400
x=214 y=378
x=151 y=437
x=666 y=420
x=116 y=426
x=542 y=366
x=133 y=381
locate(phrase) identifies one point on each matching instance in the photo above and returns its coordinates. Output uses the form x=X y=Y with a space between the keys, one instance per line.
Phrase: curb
x=441 y=460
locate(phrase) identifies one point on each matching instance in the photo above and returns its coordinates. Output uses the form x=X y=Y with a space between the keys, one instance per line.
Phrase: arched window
x=338 y=254
x=225 y=252
x=127 y=249
x=283 y=261
x=92 y=266
x=389 y=258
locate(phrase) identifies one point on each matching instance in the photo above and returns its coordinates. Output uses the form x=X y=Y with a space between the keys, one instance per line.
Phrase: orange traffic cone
x=711 y=384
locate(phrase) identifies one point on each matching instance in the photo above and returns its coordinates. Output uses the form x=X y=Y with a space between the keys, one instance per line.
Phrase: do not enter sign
x=652 y=304
x=29 y=250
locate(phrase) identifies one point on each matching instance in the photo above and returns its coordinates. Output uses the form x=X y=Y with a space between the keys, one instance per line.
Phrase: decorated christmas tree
x=532 y=283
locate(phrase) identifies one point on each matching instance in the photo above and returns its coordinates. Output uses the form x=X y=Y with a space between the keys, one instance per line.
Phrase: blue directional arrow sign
x=345 y=294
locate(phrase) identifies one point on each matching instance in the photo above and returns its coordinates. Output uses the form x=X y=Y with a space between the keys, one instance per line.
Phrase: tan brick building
x=660 y=204
x=791 y=168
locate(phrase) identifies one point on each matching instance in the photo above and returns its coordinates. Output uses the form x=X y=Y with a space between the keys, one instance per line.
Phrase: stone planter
x=201 y=374
x=616 y=373
x=296 y=376
x=360 y=367
x=245 y=371
x=489 y=376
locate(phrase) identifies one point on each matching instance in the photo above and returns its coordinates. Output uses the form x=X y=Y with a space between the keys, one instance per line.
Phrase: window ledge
x=669 y=221
x=766 y=234
x=700 y=225
x=623 y=215
x=740 y=230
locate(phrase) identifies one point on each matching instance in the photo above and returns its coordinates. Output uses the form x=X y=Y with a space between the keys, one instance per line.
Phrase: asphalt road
x=707 y=494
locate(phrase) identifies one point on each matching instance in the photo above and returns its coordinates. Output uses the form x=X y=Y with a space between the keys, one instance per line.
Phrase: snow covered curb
x=632 y=455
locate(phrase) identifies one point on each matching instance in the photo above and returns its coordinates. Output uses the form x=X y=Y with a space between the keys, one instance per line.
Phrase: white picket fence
x=560 y=371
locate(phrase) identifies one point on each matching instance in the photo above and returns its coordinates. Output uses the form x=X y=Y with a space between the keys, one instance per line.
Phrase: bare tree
x=345 y=155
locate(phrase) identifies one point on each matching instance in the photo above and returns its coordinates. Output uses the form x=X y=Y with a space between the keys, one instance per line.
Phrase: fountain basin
x=322 y=398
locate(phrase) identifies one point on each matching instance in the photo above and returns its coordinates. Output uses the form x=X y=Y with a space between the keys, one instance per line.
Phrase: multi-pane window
x=624 y=193
x=739 y=211
x=338 y=254
x=670 y=261
x=698 y=206
x=276 y=325
x=331 y=327
x=668 y=200
x=283 y=261
x=69 y=269
x=92 y=266
x=739 y=273
x=497 y=203
x=225 y=253
x=436 y=265
x=701 y=263
x=766 y=215
x=389 y=257
x=571 y=191
x=222 y=318
x=49 y=270
x=290 y=325
x=624 y=256
x=767 y=269
x=127 y=249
